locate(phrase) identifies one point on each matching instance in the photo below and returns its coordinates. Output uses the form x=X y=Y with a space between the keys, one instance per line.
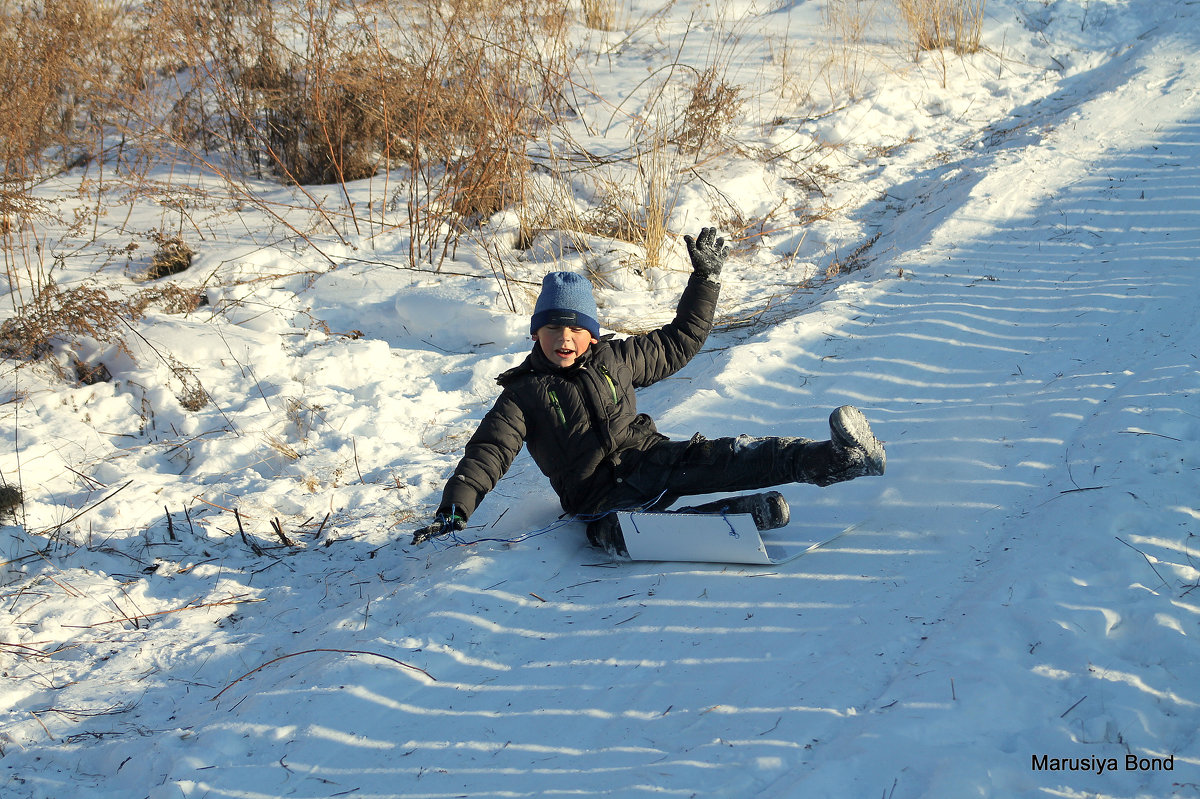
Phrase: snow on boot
x=857 y=453
x=769 y=510
x=605 y=533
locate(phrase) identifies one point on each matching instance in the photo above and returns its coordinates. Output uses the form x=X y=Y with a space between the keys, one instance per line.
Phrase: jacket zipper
x=611 y=385
x=558 y=411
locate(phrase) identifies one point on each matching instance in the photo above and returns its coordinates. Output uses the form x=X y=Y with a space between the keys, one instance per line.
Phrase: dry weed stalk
x=599 y=15
x=847 y=22
x=658 y=175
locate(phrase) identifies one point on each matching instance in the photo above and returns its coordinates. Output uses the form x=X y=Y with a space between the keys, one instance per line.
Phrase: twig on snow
x=354 y=446
x=92 y=506
x=44 y=727
x=245 y=538
x=313 y=651
x=134 y=619
x=277 y=526
x=1148 y=433
x=1144 y=555
x=1072 y=707
x=26 y=651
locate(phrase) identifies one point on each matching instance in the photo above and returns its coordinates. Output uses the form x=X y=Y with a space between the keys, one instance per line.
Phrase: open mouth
x=564 y=353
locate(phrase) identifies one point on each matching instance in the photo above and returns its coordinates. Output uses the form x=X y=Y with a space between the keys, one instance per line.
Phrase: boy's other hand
x=708 y=253
x=441 y=526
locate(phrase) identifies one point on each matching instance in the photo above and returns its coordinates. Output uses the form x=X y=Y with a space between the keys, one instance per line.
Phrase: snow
x=1021 y=334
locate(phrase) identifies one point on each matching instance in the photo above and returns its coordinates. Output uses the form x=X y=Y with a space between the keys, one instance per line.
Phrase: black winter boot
x=769 y=510
x=856 y=451
x=605 y=533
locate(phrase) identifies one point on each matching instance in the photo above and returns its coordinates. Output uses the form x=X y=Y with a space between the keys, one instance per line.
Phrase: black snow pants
x=674 y=469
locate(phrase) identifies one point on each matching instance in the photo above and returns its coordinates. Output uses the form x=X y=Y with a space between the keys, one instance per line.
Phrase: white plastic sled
x=705 y=538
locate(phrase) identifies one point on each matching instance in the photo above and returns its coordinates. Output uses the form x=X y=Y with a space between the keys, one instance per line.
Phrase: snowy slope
x=1024 y=340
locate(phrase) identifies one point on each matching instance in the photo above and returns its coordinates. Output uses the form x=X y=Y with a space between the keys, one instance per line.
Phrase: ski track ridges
x=1059 y=308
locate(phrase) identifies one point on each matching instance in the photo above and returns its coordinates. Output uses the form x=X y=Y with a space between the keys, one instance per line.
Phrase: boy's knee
x=745 y=443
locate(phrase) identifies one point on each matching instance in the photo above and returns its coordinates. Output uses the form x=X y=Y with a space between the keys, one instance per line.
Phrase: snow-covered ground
x=1016 y=615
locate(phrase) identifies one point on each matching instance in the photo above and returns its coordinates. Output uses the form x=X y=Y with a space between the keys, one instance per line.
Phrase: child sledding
x=571 y=402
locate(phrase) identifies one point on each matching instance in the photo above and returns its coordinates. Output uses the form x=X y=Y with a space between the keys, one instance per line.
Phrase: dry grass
x=599 y=15
x=310 y=114
x=167 y=298
x=943 y=24
x=658 y=174
x=443 y=103
x=480 y=96
x=57 y=80
x=444 y=96
x=66 y=69
x=452 y=92
x=54 y=315
x=632 y=199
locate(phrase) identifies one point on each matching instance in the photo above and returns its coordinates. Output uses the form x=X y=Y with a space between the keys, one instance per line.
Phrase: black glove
x=707 y=253
x=443 y=524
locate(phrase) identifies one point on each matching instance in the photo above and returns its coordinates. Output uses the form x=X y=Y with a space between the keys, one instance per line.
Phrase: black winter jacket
x=580 y=423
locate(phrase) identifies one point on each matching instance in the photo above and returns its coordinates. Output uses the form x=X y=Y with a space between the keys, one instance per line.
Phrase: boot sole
x=851 y=430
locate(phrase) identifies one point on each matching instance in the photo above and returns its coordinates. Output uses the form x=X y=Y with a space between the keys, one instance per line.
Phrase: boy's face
x=563 y=345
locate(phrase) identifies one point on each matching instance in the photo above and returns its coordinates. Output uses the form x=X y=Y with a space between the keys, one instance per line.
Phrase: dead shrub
x=309 y=115
x=90 y=375
x=168 y=298
x=329 y=91
x=475 y=92
x=191 y=394
x=172 y=257
x=713 y=106
x=53 y=313
x=11 y=500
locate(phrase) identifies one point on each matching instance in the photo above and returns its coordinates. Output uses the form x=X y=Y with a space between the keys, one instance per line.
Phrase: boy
x=571 y=402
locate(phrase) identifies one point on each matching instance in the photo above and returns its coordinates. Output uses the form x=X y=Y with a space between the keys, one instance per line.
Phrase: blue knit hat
x=566 y=300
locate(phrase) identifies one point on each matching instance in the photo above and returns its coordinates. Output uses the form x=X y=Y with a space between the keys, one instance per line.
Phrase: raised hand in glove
x=443 y=524
x=707 y=252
